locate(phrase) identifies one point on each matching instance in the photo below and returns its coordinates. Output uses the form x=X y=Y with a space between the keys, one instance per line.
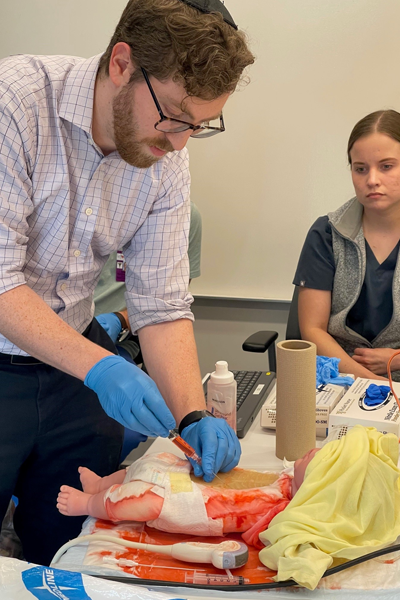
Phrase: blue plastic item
x=111 y=323
x=328 y=372
x=217 y=445
x=375 y=394
x=130 y=397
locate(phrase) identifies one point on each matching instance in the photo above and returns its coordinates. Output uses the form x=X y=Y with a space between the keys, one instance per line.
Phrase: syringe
x=126 y=562
x=186 y=448
x=215 y=579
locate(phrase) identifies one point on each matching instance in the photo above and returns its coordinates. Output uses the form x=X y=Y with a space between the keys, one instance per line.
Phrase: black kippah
x=209 y=6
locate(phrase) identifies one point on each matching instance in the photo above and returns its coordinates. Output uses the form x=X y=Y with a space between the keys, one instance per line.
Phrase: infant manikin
x=348 y=505
x=161 y=490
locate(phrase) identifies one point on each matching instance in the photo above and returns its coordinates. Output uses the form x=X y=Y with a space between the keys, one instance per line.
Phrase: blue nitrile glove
x=111 y=323
x=217 y=445
x=328 y=372
x=130 y=397
x=376 y=394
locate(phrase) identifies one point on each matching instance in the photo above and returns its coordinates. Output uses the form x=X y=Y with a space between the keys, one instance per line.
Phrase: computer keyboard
x=253 y=388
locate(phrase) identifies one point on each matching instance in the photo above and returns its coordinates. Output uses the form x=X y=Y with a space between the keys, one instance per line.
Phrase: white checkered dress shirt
x=64 y=206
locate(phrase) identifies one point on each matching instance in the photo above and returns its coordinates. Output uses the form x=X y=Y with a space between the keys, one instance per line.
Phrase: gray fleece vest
x=350 y=261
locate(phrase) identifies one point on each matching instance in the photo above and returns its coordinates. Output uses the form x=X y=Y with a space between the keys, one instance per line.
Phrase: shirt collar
x=349 y=220
x=76 y=102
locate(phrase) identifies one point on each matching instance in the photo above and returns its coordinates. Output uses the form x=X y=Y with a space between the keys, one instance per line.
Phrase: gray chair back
x=292 y=327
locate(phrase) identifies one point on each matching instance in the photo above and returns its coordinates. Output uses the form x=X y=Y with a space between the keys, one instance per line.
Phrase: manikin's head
x=178 y=59
x=374 y=156
x=300 y=467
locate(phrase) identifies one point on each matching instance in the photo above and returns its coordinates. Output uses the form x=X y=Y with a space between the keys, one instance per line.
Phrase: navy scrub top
x=373 y=310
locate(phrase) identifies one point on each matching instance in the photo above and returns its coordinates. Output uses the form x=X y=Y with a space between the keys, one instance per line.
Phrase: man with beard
x=93 y=159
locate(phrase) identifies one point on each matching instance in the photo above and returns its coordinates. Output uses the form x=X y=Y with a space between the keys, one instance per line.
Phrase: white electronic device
x=354 y=409
x=229 y=554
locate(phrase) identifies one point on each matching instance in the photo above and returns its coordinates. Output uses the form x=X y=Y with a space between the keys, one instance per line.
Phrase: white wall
x=221 y=326
x=321 y=66
x=74 y=27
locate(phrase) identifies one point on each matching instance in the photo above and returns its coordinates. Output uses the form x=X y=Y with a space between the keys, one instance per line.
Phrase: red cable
x=389 y=372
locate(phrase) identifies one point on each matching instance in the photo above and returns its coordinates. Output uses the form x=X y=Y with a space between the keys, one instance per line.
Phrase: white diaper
x=183 y=509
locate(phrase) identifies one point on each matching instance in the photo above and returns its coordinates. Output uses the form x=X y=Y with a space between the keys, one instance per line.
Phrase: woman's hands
x=314 y=310
x=376 y=359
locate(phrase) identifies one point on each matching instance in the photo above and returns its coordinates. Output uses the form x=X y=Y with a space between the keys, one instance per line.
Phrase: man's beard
x=126 y=129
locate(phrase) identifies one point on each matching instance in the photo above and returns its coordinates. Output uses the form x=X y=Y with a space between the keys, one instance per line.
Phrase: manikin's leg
x=93 y=484
x=73 y=503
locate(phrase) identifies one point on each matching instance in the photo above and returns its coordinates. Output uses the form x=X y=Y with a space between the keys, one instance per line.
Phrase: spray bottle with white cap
x=221 y=394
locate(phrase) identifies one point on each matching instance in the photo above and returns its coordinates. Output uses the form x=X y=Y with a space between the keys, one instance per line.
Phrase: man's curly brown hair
x=168 y=38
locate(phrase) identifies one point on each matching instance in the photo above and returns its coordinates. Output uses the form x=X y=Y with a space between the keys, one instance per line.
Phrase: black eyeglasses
x=169 y=125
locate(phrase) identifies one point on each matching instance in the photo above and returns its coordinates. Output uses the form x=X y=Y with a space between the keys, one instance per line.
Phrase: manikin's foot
x=89 y=480
x=72 y=502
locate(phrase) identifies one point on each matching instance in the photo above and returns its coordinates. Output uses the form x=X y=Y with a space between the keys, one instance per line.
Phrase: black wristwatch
x=193 y=417
x=124 y=327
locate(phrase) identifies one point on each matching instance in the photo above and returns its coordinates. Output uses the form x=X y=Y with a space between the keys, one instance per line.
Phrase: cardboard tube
x=295 y=398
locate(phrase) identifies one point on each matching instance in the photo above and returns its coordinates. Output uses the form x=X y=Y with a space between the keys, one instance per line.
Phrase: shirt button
x=63 y=286
x=89 y=211
x=77 y=253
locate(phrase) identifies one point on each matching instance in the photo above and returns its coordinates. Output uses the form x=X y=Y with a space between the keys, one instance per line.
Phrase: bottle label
x=222 y=406
x=214 y=411
x=221 y=402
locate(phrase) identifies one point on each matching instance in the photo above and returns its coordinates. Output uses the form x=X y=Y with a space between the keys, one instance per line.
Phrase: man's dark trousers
x=50 y=424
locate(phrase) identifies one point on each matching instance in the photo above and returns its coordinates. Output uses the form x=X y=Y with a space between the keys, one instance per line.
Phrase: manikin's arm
x=314 y=311
x=300 y=467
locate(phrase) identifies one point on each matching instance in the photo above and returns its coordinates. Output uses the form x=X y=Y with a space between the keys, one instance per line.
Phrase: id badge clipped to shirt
x=120 y=267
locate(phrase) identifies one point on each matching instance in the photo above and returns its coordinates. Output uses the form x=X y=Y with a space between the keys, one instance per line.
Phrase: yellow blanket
x=347 y=506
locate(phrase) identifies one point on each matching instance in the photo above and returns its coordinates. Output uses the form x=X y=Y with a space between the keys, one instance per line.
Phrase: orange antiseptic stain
x=155 y=563
x=237 y=509
x=246 y=511
x=390 y=561
x=240 y=509
x=145 y=507
x=335 y=587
